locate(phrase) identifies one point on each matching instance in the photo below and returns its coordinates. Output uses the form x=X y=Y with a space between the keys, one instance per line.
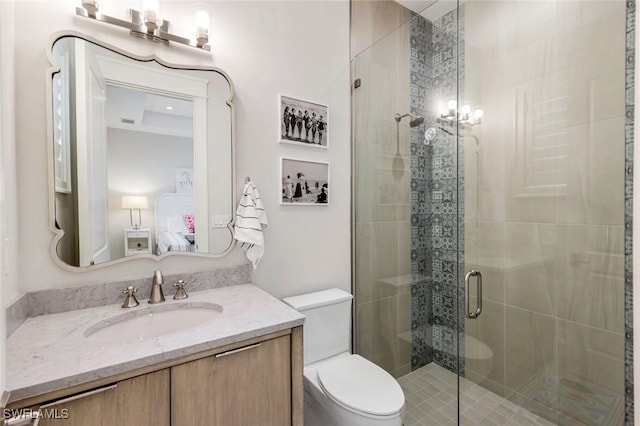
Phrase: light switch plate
x=220 y=221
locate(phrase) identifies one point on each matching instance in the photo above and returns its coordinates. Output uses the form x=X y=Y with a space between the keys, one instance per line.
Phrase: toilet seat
x=360 y=386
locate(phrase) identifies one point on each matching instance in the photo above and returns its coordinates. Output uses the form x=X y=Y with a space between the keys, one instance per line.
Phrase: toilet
x=340 y=388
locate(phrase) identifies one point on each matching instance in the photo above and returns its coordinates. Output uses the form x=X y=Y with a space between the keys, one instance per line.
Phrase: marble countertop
x=50 y=352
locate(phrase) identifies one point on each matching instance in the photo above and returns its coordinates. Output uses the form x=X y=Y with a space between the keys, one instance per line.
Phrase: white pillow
x=176 y=224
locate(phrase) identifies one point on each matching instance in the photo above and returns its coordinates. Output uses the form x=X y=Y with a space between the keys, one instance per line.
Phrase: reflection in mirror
x=142 y=156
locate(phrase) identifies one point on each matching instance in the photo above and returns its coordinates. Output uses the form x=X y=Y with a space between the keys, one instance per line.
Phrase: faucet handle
x=130 y=301
x=180 y=292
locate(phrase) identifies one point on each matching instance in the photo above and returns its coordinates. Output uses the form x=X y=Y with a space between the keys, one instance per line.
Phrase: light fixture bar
x=463 y=116
x=137 y=28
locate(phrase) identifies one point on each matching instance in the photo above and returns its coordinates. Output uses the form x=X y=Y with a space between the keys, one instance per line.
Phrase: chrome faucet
x=130 y=301
x=156 y=296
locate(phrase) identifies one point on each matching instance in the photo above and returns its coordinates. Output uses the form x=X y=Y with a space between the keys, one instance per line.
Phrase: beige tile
x=404 y=329
x=529 y=269
x=530 y=347
x=372 y=20
x=594 y=358
x=489 y=180
x=404 y=251
x=485 y=252
x=606 y=171
x=377 y=332
x=487 y=330
x=363 y=256
x=385 y=251
x=488 y=384
x=590 y=275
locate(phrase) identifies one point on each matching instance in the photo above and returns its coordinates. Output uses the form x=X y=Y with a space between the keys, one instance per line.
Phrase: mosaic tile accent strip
x=447 y=206
x=628 y=210
x=421 y=195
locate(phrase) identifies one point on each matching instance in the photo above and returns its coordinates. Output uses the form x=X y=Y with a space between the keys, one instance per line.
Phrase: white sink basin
x=144 y=323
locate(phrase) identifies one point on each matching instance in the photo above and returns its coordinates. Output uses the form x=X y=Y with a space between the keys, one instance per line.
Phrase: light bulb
x=478 y=114
x=452 y=104
x=92 y=6
x=151 y=12
x=466 y=109
x=202 y=25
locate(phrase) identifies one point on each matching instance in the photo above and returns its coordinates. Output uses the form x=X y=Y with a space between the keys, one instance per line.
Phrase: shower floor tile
x=431 y=400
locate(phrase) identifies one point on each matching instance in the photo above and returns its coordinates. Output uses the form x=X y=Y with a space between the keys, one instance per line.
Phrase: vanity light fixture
x=135 y=202
x=148 y=24
x=463 y=116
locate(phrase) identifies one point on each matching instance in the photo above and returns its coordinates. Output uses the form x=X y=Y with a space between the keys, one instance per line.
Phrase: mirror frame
x=59 y=233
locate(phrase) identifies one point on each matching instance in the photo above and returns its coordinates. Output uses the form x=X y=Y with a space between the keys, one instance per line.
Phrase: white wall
x=8 y=204
x=298 y=48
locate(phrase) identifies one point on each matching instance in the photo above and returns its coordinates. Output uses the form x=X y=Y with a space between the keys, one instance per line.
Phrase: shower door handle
x=467 y=283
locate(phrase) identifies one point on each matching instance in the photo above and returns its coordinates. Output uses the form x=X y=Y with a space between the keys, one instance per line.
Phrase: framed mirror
x=142 y=156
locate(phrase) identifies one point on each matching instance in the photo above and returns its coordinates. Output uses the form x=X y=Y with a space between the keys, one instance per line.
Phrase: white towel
x=251 y=219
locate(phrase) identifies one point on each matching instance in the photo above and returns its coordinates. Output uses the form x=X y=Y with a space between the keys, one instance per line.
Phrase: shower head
x=416 y=120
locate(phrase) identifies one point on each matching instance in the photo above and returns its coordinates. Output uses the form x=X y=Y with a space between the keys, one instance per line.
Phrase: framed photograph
x=304 y=182
x=184 y=181
x=303 y=122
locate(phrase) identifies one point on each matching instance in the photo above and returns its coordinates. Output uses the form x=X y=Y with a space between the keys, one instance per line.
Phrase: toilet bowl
x=349 y=390
x=341 y=388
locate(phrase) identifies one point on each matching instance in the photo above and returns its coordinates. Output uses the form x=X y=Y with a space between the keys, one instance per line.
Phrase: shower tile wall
x=382 y=188
x=545 y=209
x=406 y=194
x=446 y=185
x=421 y=196
x=628 y=211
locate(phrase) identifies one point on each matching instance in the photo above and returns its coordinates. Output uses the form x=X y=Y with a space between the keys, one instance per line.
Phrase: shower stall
x=492 y=225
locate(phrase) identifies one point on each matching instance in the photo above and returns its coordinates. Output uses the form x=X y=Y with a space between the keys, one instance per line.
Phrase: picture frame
x=310 y=126
x=304 y=182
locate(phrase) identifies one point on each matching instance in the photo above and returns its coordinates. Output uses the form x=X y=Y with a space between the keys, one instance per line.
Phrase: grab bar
x=467 y=279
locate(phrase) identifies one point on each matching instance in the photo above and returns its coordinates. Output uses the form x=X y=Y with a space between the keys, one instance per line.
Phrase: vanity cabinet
x=140 y=401
x=254 y=382
x=245 y=386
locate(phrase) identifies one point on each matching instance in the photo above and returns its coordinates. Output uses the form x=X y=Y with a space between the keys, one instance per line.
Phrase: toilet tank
x=327 y=328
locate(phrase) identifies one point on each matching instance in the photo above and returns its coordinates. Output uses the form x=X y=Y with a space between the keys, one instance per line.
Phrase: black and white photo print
x=304 y=182
x=303 y=122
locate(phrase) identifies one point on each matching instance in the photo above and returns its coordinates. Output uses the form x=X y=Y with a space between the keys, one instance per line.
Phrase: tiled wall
x=381 y=194
x=544 y=201
x=541 y=216
x=628 y=208
x=421 y=196
x=445 y=183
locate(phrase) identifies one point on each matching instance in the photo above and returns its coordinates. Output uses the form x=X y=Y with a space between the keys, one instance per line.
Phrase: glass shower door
x=541 y=202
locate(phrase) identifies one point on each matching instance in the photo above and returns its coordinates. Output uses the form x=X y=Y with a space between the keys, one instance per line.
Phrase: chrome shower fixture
x=416 y=120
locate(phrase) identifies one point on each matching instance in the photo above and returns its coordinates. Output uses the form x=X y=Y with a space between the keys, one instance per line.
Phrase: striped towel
x=250 y=221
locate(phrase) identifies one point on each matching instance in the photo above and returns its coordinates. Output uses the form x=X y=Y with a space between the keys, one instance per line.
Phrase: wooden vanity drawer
x=247 y=386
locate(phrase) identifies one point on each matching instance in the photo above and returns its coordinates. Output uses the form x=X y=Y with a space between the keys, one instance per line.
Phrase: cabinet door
x=140 y=401
x=250 y=386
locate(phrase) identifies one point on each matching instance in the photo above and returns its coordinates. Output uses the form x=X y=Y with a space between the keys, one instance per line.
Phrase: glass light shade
x=466 y=109
x=478 y=114
x=151 y=11
x=202 y=24
x=134 y=202
x=95 y=4
x=452 y=104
